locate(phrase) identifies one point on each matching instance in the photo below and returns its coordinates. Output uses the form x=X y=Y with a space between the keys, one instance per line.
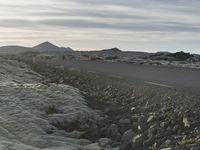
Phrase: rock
x=150 y=119
x=167 y=142
x=152 y=130
x=124 y=124
x=169 y=131
x=94 y=146
x=112 y=131
x=108 y=147
x=149 y=142
x=166 y=148
x=195 y=147
x=135 y=118
x=142 y=121
x=164 y=124
x=126 y=140
x=175 y=128
x=135 y=126
x=151 y=137
x=137 y=140
x=124 y=121
x=75 y=134
x=186 y=122
x=104 y=142
x=24 y=121
x=127 y=136
x=133 y=109
x=116 y=148
x=139 y=128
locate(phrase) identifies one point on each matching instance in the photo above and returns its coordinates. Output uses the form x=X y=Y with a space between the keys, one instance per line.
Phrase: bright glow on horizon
x=145 y=25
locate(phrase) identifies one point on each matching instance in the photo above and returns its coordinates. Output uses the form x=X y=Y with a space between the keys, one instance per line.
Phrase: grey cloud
x=16 y=23
x=89 y=13
x=90 y=24
x=135 y=2
x=159 y=26
x=183 y=6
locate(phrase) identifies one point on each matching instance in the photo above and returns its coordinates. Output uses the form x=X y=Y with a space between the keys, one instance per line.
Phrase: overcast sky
x=147 y=25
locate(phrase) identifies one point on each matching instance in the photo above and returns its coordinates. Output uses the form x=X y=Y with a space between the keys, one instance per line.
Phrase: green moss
x=190 y=141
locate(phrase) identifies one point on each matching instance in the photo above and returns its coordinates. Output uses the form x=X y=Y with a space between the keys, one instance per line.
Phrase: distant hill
x=49 y=47
x=14 y=49
x=43 y=47
x=112 y=50
x=120 y=53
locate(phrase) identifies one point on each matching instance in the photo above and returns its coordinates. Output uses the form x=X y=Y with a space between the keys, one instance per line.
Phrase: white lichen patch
x=25 y=123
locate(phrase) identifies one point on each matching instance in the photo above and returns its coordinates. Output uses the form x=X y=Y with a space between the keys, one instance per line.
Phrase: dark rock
x=167 y=142
x=108 y=147
x=150 y=141
x=124 y=121
x=151 y=137
x=124 y=125
x=164 y=124
x=116 y=148
x=168 y=131
x=137 y=141
x=152 y=130
x=175 y=128
x=142 y=121
x=135 y=118
x=195 y=147
x=113 y=132
x=126 y=141
x=135 y=126
x=104 y=142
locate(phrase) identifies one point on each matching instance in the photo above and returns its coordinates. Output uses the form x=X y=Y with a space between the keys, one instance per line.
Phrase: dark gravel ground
x=134 y=115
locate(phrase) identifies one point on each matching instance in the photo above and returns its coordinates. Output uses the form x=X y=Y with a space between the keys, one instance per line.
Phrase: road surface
x=167 y=77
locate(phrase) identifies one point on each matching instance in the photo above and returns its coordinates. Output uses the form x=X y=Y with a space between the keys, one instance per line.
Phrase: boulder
x=94 y=146
x=126 y=140
x=104 y=142
x=112 y=131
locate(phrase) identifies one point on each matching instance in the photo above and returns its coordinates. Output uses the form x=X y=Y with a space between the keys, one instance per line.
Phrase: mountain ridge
x=49 y=47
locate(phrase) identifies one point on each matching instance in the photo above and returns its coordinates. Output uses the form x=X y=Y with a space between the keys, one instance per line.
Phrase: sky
x=133 y=25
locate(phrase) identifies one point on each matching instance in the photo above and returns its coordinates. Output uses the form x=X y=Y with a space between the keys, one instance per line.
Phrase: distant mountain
x=49 y=47
x=112 y=50
x=14 y=49
x=66 y=49
x=43 y=47
x=46 y=46
x=119 y=53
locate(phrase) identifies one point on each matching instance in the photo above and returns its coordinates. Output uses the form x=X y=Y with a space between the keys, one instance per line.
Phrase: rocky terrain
x=36 y=115
x=179 y=59
x=134 y=116
x=56 y=108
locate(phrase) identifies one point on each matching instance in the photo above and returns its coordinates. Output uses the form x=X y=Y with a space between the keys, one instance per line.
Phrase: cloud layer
x=148 y=25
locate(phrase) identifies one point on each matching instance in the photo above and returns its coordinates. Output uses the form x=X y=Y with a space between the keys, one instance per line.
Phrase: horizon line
x=93 y=49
